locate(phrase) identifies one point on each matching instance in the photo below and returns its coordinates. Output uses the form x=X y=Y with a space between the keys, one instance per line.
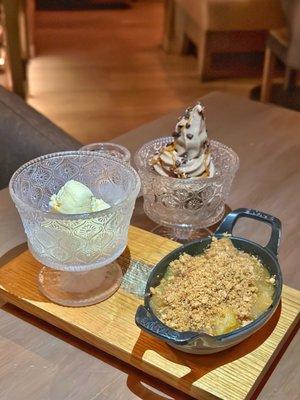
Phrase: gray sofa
x=26 y=134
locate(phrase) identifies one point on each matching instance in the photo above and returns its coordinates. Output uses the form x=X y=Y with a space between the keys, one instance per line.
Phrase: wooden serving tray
x=233 y=374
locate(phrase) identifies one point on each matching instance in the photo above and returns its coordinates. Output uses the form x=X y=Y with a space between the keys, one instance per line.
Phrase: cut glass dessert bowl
x=109 y=149
x=183 y=207
x=78 y=251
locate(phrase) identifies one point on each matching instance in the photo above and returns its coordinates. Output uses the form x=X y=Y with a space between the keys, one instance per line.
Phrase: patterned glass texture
x=186 y=203
x=77 y=242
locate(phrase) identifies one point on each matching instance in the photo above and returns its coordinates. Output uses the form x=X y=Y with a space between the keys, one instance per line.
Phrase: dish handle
x=230 y=220
x=149 y=323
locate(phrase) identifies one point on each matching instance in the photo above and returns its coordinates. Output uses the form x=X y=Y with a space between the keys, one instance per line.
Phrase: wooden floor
x=98 y=74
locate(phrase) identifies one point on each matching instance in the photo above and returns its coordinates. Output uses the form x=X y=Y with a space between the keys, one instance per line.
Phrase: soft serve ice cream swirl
x=189 y=155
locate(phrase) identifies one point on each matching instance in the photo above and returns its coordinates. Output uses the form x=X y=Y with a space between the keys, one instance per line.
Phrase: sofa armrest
x=26 y=134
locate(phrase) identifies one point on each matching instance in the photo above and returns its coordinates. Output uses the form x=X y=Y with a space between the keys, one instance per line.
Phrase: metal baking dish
x=200 y=342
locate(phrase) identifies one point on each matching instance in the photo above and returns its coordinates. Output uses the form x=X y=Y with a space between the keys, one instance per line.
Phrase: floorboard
x=100 y=73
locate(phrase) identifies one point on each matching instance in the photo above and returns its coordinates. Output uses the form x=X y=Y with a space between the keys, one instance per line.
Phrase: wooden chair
x=18 y=29
x=283 y=44
x=218 y=27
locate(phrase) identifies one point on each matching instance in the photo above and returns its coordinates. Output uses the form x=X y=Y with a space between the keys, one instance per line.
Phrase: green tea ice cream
x=76 y=198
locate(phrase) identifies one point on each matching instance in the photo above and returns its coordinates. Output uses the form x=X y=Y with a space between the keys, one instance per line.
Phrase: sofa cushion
x=26 y=134
x=231 y=15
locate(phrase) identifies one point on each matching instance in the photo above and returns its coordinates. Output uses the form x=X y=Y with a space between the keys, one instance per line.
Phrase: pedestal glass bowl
x=183 y=207
x=78 y=251
x=109 y=149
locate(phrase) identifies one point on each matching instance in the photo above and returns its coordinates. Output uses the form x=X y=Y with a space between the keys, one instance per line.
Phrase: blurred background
x=98 y=68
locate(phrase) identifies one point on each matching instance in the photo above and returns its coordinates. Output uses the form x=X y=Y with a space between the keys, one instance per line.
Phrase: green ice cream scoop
x=76 y=198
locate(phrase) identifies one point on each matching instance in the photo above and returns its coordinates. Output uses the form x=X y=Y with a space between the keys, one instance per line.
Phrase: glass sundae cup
x=78 y=251
x=183 y=207
x=110 y=149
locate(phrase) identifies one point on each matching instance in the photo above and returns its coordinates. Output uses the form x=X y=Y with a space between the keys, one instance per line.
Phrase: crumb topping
x=217 y=291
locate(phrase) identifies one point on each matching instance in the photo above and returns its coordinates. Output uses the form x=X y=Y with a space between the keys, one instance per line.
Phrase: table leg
x=267 y=75
x=168 y=24
x=30 y=17
x=14 y=48
x=289 y=79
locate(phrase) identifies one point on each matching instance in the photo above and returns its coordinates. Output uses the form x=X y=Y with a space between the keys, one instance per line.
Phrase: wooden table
x=40 y=362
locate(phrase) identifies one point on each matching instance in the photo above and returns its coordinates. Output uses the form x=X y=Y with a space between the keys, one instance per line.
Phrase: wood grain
x=98 y=74
x=267 y=140
x=109 y=326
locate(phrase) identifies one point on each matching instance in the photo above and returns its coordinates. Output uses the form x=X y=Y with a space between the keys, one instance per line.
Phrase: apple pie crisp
x=216 y=292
